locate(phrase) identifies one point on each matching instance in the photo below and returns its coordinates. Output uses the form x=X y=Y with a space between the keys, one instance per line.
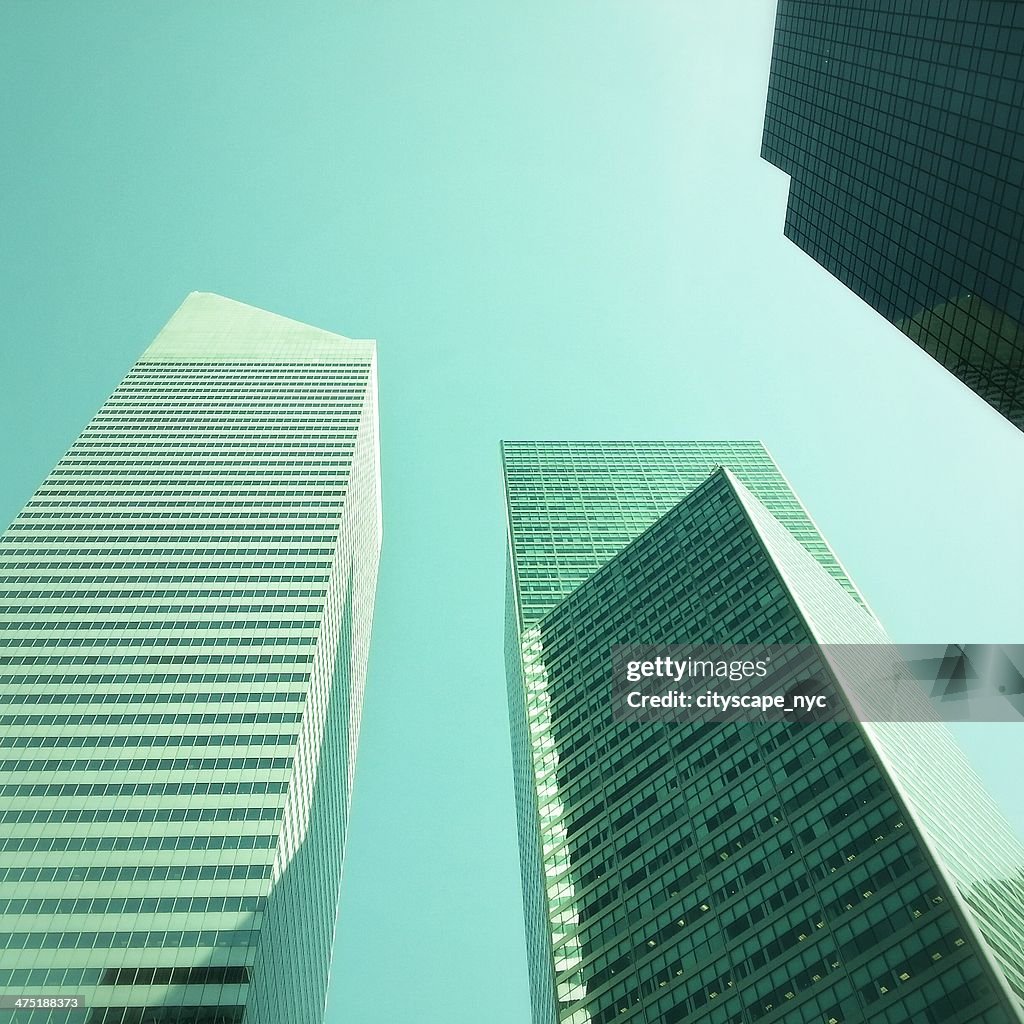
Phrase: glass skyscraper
x=185 y=609
x=901 y=126
x=729 y=872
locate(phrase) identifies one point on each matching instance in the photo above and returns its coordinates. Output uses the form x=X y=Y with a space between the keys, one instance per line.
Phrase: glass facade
x=728 y=873
x=900 y=125
x=185 y=610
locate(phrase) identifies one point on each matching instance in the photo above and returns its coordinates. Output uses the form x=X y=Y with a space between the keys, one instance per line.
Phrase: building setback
x=728 y=873
x=901 y=127
x=185 y=610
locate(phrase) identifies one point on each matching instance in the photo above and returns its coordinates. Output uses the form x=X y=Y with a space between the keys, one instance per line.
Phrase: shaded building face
x=730 y=872
x=184 y=612
x=900 y=125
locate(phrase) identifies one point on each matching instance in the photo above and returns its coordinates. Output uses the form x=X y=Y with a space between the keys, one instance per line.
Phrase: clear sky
x=554 y=219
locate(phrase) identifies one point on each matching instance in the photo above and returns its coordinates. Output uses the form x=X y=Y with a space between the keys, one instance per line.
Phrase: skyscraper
x=728 y=872
x=185 y=609
x=901 y=127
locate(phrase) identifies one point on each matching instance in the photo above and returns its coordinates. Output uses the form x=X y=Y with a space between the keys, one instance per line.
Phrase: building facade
x=185 y=609
x=901 y=127
x=727 y=873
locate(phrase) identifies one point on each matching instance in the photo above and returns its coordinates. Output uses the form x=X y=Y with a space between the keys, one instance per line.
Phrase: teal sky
x=554 y=219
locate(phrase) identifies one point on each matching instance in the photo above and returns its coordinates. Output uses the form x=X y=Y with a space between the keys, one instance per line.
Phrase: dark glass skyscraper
x=727 y=873
x=900 y=124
